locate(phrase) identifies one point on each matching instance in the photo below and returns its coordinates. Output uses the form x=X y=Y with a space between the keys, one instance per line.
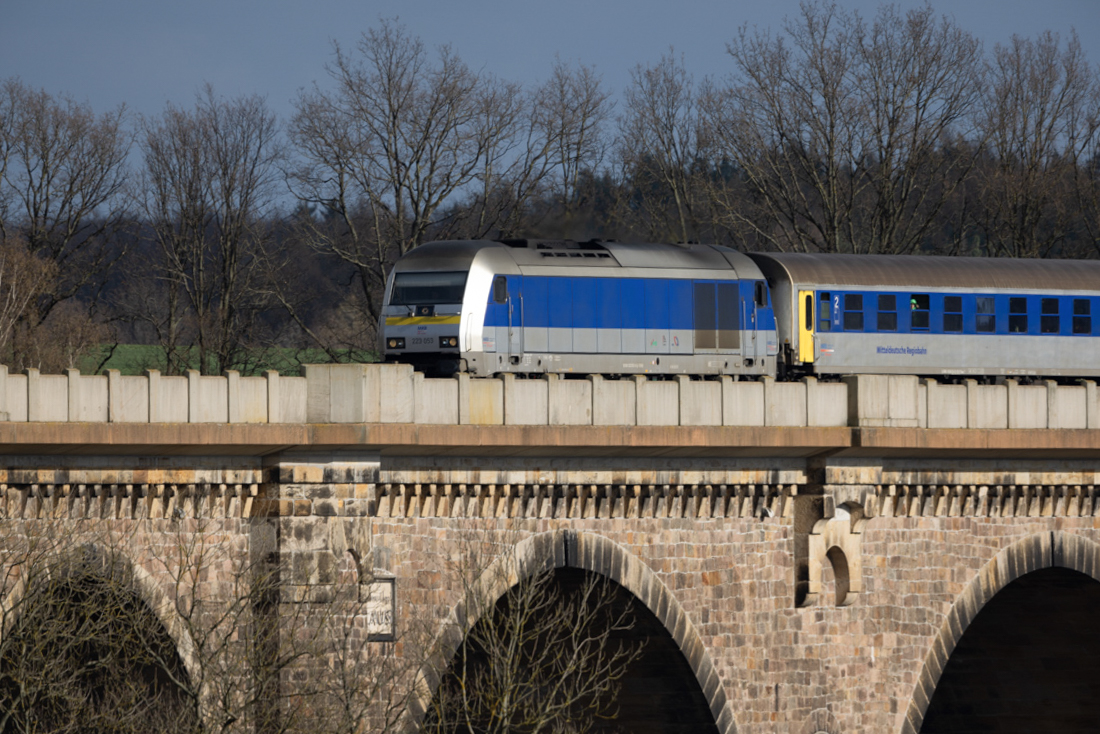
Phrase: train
x=526 y=306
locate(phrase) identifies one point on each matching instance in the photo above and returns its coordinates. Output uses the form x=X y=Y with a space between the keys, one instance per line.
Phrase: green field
x=134 y=359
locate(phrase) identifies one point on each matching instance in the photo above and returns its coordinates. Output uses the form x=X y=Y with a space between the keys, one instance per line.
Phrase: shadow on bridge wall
x=569 y=549
x=1039 y=552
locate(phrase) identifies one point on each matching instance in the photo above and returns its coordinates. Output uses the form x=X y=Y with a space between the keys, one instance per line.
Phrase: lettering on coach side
x=911 y=351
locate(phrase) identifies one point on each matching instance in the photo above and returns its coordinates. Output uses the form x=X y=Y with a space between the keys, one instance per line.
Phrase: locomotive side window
x=918 y=312
x=986 y=314
x=1082 y=316
x=853 y=312
x=952 y=314
x=888 y=312
x=760 y=294
x=824 y=311
x=1049 y=322
x=500 y=289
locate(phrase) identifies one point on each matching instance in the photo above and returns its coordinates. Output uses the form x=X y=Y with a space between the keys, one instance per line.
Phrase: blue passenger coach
x=845 y=314
x=533 y=306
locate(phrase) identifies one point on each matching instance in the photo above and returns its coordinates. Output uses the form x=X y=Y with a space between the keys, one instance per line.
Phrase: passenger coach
x=533 y=306
x=845 y=314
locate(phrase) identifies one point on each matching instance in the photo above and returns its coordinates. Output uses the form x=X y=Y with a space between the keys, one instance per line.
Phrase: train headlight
x=395 y=342
x=448 y=341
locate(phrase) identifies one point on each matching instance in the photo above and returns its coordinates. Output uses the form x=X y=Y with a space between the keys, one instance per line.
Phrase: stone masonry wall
x=806 y=597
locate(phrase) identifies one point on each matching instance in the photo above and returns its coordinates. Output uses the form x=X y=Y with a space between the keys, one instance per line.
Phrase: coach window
x=824 y=311
x=918 y=312
x=1082 y=316
x=853 y=312
x=500 y=289
x=887 y=312
x=952 y=314
x=986 y=314
x=1049 y=322
x=1017 y=315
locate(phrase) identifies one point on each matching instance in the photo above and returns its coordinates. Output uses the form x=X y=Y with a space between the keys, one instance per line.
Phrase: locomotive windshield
x=410 y=289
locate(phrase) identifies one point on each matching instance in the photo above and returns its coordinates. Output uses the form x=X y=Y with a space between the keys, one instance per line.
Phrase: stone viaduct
x=884 y=554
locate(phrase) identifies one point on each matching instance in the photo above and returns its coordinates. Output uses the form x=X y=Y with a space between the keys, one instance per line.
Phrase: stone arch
x=146 y=588
x=1055 y=549
x=596 y=554
x=821 y=721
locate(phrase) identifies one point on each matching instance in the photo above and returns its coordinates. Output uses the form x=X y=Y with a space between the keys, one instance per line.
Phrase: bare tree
x=207 y=190
x=547 y=656
x=575 y=108
x=62 y=176
x=80 y=651
x=662 y=146
x=839 y=131
x=1041 y=114
x=398 y=137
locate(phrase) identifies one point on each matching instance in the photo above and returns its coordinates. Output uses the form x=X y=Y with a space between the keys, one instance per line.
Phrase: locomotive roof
x=933 y=271
x=458 y=254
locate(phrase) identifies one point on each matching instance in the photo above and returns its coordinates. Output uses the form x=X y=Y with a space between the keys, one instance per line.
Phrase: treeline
x=220 y=233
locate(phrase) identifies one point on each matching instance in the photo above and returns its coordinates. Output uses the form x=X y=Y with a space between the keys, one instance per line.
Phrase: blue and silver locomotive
x=533 y=306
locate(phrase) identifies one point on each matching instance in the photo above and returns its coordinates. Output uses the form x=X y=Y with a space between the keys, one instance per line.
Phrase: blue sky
x=146 y=53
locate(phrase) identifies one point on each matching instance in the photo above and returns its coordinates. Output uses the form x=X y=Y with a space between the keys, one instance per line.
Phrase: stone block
x=657 y=402
x=947 y=405
x=570 y=401
x=986 y=405
x=435 y=400
x=1027 y=405
x=826 y=403
x=742 y=403
x=480 y=401
x=1067 y=406
x=784 y=403
x=700 y=402
x=613 y=402
x=526 y=402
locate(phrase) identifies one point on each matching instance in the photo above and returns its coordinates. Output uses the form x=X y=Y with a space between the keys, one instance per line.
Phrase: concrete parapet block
x=480 y=401
x=614 y=402
x=658 y=402
x=359 y=393
x=826 y=403
x=47 y=397
x=435 y=401
x=570 y=401
x=395 y=392
x=274 y=404
x=155 y=414
x=784 y=403
x=252 y=400
x=34 y=403
x=5 y=415
x=233 y=396
x=946 y=405
x=986 y=405
x=193 y=396
x=742 y=402
x=114 y=396
x=883 y=400
x=526 y=402
x=1067 y=406
x=1027 y=405
x=1092 y=409
x=700 y=402
x=292 y=400
x=72 y=379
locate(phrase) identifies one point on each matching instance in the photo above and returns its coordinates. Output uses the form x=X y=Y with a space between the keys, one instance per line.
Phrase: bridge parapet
x=394 y=394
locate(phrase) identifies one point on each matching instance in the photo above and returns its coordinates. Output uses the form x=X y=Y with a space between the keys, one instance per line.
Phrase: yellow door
x=806 y=327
